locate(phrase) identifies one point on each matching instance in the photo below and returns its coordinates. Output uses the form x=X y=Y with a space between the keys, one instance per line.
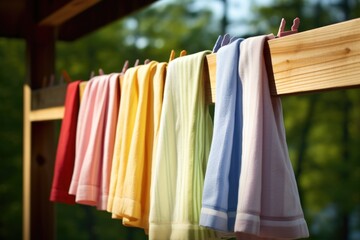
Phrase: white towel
x=268 y=202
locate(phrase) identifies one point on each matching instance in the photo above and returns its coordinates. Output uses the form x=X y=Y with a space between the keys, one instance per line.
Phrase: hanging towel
x=83 y=131
x=90 y=173
x=65 y=154
x=109 y=138
x=268 y=202
x=181 y=154
x=221 y=184
x=132 y=200
x=124 y=131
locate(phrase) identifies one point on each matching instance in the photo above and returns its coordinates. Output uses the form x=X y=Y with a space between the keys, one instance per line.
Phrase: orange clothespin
x=172 y=55
x=66 y=76
x=183 y=53
x=294 y=27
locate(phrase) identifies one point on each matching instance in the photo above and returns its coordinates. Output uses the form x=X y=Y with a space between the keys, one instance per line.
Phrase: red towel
x=65 y=154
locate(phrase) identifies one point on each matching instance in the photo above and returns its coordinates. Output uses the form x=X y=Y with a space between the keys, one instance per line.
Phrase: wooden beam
x=316 y=60
x=58 y=12
x=47 y=114
x=104 y=12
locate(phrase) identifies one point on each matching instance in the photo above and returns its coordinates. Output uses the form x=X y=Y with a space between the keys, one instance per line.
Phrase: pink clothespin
x=136 y=62
x=294 y=27
x=125 y=67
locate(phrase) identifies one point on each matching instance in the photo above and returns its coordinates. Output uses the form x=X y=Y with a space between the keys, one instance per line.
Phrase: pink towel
x=109 y=138
x=90 y=173
x=82 y=132
x=268 y=202
x=95 y=141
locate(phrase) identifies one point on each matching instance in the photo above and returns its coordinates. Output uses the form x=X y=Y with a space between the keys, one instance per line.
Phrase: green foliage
x=12 y=75
x=151 y=33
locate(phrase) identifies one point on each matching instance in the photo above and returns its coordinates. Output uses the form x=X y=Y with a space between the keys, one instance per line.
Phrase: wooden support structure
x=55 y=13
x=39 y=140
x=315 y=60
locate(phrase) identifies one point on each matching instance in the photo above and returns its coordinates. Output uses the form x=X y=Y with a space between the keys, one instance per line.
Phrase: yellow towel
x=124 y=129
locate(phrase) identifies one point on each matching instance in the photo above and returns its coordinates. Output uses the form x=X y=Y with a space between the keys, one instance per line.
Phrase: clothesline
x=142 y=149
x=316 y=60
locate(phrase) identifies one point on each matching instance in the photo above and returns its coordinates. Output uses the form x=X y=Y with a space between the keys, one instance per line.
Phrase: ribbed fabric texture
x=82 y=132
x=109 y=138
x=65 y=154
x=268 y=202
x=181 y=154
x=221 y=184
x=124 y=132
x=95 y=142
x=125 y=124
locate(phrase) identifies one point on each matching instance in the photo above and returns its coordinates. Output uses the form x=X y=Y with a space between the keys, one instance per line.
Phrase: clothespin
x=146 y=61
x=101 y=72
x=294 y=27
x=66 y=76
x=172 y=55
x=92 y=74
x=232 y=39
x=125 y=67
x=136 y=63
x=52 y=80
x=183 y=53
x=217 y=44
x=226 y=40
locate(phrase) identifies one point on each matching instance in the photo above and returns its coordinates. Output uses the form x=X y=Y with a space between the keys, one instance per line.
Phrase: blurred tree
x=150 y=33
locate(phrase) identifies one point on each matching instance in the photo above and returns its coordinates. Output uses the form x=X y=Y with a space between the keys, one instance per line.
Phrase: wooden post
x=39 y=141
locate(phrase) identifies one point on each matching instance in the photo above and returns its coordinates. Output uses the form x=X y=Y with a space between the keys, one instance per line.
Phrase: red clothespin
x=294 y=27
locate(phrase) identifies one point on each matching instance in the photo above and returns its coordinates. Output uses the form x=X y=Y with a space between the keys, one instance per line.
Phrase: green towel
x=181 y=154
